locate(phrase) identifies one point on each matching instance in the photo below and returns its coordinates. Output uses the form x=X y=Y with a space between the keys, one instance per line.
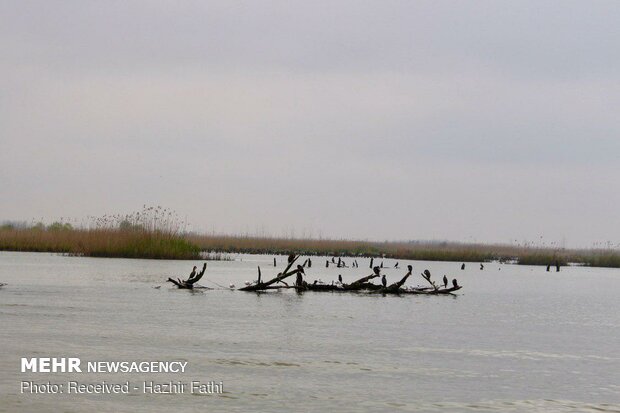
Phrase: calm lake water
x=515 y=339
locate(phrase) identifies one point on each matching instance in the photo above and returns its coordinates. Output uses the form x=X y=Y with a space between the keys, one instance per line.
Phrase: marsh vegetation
x=156 y=232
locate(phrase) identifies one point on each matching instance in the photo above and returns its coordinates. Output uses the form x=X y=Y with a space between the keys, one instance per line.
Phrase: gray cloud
x=459 y=120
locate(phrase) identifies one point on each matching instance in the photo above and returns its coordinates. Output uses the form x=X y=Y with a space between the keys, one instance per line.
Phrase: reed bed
x=100 y=243
x=153 y=232
x=424 y=251
x=158 y=233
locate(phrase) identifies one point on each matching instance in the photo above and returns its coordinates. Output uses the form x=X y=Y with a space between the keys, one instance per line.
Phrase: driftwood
x=259 y=285
x=189 y=283
x=396 y=287
x=427 y=276
x=428 y=291
x=361 y=284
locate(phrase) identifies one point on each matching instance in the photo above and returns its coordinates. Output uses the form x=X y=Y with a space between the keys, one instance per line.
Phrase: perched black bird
x=454 y=283
x=548 y=267
x=396 y=266
x=445 y=281
x=427 y=274
x=410 y=268
x=371 y=260
x=481 y=266
x=384 y=281
x=463 y=266
x=340 y=278
x=300 y=269
x=377 y=270
x=326 y=263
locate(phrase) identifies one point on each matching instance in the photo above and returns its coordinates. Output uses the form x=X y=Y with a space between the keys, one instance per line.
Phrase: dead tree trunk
x=394 y=288
x=427 y=276
x=189 y=283
x=363 y=282
x=281 y=276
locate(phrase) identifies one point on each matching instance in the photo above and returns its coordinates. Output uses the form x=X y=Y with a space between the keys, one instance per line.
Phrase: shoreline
x=113 y=243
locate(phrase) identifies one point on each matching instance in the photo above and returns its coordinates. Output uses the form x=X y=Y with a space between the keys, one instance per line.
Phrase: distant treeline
x=132 y=239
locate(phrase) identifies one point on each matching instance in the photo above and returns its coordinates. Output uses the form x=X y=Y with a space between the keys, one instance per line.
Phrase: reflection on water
x=515 y=340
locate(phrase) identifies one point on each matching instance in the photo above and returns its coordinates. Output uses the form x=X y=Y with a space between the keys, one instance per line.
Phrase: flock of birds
x=340 y=263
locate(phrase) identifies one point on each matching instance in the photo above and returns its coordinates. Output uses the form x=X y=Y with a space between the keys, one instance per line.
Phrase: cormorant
x=463 y=266
x=396 y=266
x=340 y=278
x=445 y=281
x=326 y=263
x=371 y=260
x=481 y=266
x=454 y=283
x=384 y=281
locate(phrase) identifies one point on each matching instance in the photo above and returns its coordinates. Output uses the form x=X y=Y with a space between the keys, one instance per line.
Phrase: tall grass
x=156 y=232
x=151 y=233
x=100 y=243
x=425 y=251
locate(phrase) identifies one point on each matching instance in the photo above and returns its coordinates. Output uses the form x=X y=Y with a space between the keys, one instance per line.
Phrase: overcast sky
x=460 y=120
